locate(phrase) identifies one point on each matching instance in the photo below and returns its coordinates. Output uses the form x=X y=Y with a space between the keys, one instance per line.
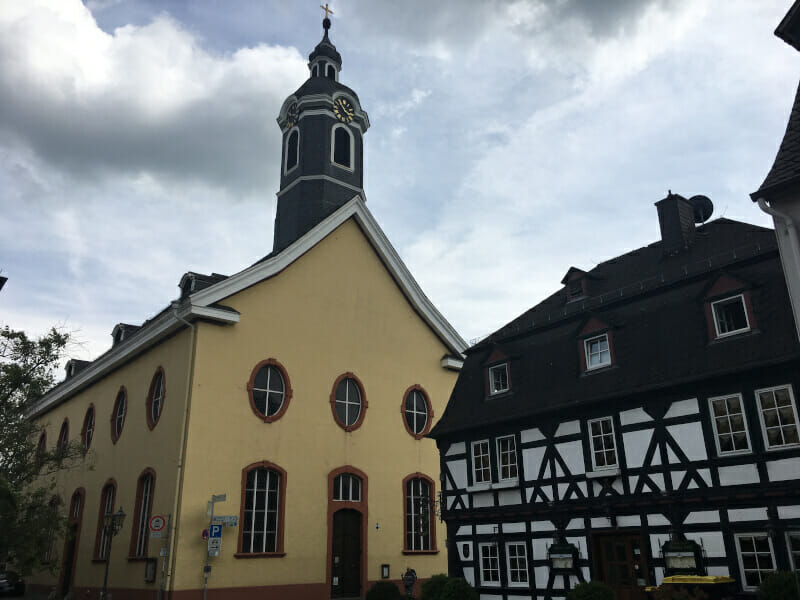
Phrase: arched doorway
x=71 y=542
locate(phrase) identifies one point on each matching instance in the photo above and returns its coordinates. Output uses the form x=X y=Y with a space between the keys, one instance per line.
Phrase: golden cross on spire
x=326 y=9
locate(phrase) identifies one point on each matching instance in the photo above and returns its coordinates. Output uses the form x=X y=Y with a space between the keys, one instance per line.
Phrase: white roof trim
x=359 y=211
x=147 y=336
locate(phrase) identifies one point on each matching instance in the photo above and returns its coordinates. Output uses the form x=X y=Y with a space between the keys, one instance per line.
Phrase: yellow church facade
x=300 y=388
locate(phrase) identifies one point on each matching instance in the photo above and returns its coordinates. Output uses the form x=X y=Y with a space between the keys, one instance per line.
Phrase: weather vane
x=326 y=9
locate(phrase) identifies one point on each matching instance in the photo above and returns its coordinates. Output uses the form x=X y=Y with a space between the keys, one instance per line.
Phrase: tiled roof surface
x=785 y=170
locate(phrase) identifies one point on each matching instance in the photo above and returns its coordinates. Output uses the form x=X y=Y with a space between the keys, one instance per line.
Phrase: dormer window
x=730 y=316
x=575 y=289
x=595 y=345
x=498 y=379
x=598 y=352
x=574 y=283
x=292 y=150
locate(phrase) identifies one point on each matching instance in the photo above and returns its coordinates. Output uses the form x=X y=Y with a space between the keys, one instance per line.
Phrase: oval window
x=417 y=411
x=348 y=402
x=269 y=390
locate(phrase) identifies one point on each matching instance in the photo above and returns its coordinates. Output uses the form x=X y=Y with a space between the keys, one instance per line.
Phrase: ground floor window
x=756 y=558
x=490 y=564
x=517 y=562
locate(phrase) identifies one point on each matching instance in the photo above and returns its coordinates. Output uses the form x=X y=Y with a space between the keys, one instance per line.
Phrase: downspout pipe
x=794 y=251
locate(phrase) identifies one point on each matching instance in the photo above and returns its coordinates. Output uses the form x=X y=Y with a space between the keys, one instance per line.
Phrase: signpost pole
x=210 y=513
x=164 y=550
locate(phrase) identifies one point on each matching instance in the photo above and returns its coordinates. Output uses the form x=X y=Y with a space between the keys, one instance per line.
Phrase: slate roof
x=785 y=170
x=654 y=306
x=322 y=85
x=789 y=28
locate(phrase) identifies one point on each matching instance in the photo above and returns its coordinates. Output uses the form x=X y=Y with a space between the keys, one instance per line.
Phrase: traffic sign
x=214 y=545
x=215 y=531
x=157 y=523
x=225 y=521
x=155 y=534
x=204 y=535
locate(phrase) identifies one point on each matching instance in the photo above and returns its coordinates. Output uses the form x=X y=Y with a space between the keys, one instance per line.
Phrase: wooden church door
x=620 y=562
x=346 y=554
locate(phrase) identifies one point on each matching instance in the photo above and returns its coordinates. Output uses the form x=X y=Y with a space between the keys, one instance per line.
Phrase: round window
x=348 y=402
x=417 y=411
x=269 y=390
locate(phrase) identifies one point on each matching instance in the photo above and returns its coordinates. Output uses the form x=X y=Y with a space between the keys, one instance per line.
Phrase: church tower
x=323 y=151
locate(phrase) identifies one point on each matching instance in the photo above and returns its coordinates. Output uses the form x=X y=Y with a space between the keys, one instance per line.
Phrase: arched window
x=269 y=390
x=141 y=514
x=420 y=533
x=342 y=150
x=262 y=512
x=41 y=447
x=292 y=152
x=118 y=414
x=348 y=402
x=347 y=488
x=63 y=436
x=102 y=539
x=155 y=398
x=417 y=412
x=315 y=71
x=87 y=432
x=331 y=72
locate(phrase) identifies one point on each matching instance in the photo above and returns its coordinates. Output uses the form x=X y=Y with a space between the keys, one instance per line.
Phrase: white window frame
x=518 y=584
x=267 y=475
x=716 y=322
x=348 y=481
x=787 y=386
x=721 y=452
x=586 y=342
x=489 y=462
x=500 y=459
x=145 y=508
x=88 y=432
x=484 y=582
x=591 y=445
x=737 y=537
x=352 y=166
x=286 y=150
x=492 y=391
x=795 y=565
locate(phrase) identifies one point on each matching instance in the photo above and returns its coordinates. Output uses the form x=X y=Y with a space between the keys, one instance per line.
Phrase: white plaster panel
x=513 y=527
x=738 y=475
x=485 y=528
x=712 y=542
x=540 y=547
x=462 y=548
x=789 y=512
x=456 y=448
x=558 y=469
x=600 y=522
x=541 y=574
x=783 y=470
x=658 y=480
x=617 y=485
x=747 y=514
x=656 y=460
x=705 y=474
x=672 y=458
x=656 y=541
x=659 y=575
x=681 y=408
x=548 y=492
x=568 y=428
x=677 y=477
x=690 y=439
x=572 y=453
x=458 y=470
x=531 y=435
x=636 y=443
x=629 y=521
x=546 y=472
x=596 y=488
x=558 y=582
x=465 y=499
x=656 y=520
x=634 y=415
x=518 y=597
x=586 y=574
x=491 y=597
x=464 y=530
x=469 y=575
x=532 y=462
x=508 y=497
x=632 y=481
x=451 y=501
x=483 y=499
x=702 y=516
x=575 y=524
x=692 y=484
x=582 y=487
x=542 y=526
x=562 y=490
x=720 y=571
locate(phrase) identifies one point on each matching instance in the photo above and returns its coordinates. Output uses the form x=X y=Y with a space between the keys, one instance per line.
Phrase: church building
x=640 y=422
x=297 y=393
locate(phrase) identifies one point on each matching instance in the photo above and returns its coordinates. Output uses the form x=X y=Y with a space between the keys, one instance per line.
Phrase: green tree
x=30 y=515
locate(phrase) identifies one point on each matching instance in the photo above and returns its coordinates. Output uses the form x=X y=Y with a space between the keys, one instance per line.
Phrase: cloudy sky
x=509 y=140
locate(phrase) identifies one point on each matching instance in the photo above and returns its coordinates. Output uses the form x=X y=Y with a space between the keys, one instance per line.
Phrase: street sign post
x=214 y=545
x=215 y=531
x=214 y=534
x=225 y=521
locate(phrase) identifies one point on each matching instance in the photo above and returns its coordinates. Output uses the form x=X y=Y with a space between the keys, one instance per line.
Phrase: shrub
x=591 y=590
x=675 y=592
x=434 y=587
x=384 y=590
x=457 y=588
x=781 y=585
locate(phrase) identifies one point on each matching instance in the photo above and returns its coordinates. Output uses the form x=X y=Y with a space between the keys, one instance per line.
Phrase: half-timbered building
x=640 y=421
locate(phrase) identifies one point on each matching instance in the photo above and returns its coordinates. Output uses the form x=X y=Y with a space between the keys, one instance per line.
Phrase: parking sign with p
x=215 y=531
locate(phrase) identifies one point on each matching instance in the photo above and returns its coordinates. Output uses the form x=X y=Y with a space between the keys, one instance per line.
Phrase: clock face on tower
x=292 y=115
x=343 y=110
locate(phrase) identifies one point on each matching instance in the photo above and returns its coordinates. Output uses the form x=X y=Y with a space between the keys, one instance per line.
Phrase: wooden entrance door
x=346 y=554
x=69 y=558
x=620 y=562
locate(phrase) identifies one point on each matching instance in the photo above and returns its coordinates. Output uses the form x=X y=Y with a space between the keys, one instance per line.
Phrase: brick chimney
x=676 y=218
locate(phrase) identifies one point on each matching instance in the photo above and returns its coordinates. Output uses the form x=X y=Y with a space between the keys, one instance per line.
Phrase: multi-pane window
x=63 y=436
x=418 y=514
x=107 y=504
x=601 y=434
x=88 y=428
x=145 y=494
x=416 y=412
x=156 y=396
x=481 y=471
x=49 y=551
x=498 y=378
x=75 y=506
x=490 y=564
x=261 y=511
x=347 y=487
x=269 y=390
x=517 y=562
x=507 y=457
x=730 y=316
x=348 y=402
x=778 y=416
x=793 y=544
x=118 y=419
x=755 y=558
x=730 y=426
x=598 y=353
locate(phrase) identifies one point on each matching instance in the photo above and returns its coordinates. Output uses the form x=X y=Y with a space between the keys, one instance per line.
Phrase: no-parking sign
x=157 y=523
